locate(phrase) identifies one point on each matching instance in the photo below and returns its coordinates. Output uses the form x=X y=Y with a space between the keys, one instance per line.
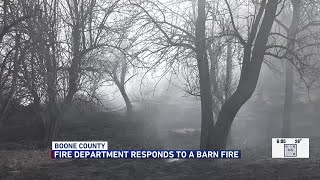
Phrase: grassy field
x=20 y=161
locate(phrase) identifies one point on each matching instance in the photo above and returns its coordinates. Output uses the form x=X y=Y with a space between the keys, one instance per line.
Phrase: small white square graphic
x=290 y=150
x=290 y=147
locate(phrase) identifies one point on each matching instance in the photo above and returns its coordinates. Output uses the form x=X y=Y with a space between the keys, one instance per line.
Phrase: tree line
x=55 y=53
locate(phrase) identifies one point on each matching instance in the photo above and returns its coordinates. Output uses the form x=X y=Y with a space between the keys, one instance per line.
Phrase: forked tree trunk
x=121 y=87
x=251 y=66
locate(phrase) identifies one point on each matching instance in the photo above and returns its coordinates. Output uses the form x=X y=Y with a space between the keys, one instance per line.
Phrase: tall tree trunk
x=214 y=68
x=292 y=33
x=121 y=87
x=228 y=71
x=124 y=69
x=126 y=99
x=228 y=79
x=53 y=110
x=287 y=109
x=75 y=65
x=74 y=69
x=251 y=66
x=203 y=67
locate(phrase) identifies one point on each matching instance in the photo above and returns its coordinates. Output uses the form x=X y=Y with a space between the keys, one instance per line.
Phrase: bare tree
x=253 y=55
x=291 y=36
x=86 y=36
x=299 y=54
x=116 y=66
x=40 y=69
x=196 y=43
x=12 y=17
x=184 y=42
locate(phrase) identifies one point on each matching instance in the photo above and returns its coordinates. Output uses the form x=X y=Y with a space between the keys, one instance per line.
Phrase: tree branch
x=237 y=34
x=282 y=25
x=313 y=23
x=162 y=31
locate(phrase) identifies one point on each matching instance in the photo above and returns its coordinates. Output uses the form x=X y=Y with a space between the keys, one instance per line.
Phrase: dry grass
x=20 y=160
x=16 y=160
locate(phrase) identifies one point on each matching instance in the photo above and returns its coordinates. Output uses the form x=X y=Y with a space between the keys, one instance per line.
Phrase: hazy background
x=175 y=112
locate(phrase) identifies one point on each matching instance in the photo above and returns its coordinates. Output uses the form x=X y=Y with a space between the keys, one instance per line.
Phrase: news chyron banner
x=99 y=150
x=290 y=147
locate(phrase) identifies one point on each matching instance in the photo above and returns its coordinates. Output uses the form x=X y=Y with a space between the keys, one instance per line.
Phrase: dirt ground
x=18 y=162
